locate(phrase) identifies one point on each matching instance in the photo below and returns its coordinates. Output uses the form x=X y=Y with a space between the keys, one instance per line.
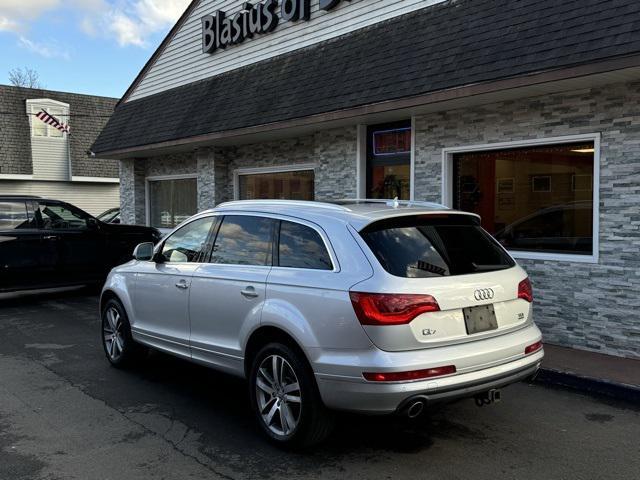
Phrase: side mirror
x=143 y=251
x=92 y=223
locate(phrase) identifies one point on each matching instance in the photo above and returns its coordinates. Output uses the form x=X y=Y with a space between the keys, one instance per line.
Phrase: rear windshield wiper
x=487 y=268
x=429 y=267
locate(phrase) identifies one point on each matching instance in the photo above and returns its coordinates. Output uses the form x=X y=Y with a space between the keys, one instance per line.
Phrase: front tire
x=117 y=342
x=285 y=399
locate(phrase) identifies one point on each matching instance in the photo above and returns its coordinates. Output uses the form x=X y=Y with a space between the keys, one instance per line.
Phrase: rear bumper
x=473 y=388
x=353 y=393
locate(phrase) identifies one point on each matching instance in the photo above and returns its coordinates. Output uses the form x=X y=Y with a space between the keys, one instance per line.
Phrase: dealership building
x=526 y=112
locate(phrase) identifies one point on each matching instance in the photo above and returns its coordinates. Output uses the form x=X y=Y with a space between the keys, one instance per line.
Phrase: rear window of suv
x=434 y=246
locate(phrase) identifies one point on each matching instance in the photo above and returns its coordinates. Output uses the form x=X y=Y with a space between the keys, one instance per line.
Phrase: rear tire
x=287 y=404
x=118 y=344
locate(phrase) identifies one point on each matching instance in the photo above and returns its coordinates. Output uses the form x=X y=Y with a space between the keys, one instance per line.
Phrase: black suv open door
x=77 y=240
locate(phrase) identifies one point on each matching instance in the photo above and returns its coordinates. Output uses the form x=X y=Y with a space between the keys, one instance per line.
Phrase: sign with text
x=220 y=30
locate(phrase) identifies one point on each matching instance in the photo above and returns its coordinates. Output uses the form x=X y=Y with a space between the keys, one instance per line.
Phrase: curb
x=593 y=386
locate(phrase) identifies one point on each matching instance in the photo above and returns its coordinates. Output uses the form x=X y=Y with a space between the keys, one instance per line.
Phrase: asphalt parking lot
x=66 y=414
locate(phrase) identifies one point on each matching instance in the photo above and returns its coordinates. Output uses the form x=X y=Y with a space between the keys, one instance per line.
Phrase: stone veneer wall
x=587 y=306
x=333 y=153
x=581 y=305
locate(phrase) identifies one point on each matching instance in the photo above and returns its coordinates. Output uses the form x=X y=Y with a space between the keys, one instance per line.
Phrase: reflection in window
x=61 y=217
x=294 y=185
x=532 y=198
x=244 y=240
x=302 y=247
x=13 y=215
x=187 y=244
x=57 y=113
x=171 y=202
x=42 y=129
x=434 y=246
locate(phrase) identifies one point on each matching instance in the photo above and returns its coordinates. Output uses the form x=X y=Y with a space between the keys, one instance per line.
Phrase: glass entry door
x=389 y=161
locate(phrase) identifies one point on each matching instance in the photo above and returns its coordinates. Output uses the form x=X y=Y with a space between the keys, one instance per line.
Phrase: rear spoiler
x=367 y=222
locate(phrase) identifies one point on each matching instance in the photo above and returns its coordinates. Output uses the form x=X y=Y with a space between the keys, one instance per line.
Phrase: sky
x=95 y=47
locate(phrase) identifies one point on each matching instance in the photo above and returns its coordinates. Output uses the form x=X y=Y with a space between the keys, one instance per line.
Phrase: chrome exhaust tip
x=415 y=409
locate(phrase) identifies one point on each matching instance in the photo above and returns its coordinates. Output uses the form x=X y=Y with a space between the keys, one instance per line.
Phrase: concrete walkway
x=606 y=374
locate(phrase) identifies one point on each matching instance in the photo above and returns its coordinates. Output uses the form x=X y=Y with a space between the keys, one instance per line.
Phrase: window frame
x=38 y=203
x=35 y=105
x=26 y=214
x=203 y=255
x=275 y=240
x=216 y=231
x=147 y=196
x=237 y=173
x=368 y=160
x=447 y=188
x=276 y=248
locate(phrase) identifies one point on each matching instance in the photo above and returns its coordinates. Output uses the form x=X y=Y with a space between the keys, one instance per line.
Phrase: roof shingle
x=447 y=45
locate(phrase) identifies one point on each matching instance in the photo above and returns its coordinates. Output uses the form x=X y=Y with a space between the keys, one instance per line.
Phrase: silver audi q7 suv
x=368 y=306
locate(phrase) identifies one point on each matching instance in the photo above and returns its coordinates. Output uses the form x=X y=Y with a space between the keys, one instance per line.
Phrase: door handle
x=249 y=292
x=50 y=237
x=182 y=284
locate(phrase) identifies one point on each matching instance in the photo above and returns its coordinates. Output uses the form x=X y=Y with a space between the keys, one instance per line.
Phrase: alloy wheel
x=278 y=395
x=112 y=333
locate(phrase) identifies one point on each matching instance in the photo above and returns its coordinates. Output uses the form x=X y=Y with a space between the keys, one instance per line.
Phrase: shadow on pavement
x=34 y=297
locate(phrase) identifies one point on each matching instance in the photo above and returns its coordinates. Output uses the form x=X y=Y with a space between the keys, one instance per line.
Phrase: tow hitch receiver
x=487 y=398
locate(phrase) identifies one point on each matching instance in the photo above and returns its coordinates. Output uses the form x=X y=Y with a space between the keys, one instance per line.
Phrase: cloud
x=8 y=25
x=134 y=22
x=15 y=14
x=51 y=49
x=128 y=22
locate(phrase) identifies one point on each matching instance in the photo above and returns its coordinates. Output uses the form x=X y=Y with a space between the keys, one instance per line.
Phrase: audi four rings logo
x=483 y=294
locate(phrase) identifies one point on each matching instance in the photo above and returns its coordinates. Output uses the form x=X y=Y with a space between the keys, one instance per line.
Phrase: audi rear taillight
x=391 y=309
x=525 y=291
x=411 y=375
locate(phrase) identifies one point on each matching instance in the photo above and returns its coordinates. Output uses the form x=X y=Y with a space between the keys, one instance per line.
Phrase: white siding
x=50 y=158
x=50 y=154
x=94 y=198
x=183 y=62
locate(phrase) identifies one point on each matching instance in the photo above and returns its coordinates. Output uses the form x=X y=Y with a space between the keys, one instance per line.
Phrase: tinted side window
x=13 y=215
x=244 y=240
x=61 y=217
x=188 y=243
x=302 y=247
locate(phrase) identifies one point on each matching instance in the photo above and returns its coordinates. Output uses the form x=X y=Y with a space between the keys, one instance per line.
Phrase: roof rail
x=18 y=196
x=284 y=203
x=392 y=202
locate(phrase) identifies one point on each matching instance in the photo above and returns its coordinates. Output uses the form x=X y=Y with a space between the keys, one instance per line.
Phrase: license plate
x=480 y=319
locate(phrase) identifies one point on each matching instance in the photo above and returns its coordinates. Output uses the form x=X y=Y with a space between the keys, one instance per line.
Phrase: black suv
x=48 y=243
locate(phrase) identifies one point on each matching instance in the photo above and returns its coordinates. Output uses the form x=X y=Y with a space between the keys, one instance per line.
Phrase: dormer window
x=57 y=109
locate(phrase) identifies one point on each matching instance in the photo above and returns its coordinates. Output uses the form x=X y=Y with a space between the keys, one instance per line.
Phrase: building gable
x=434 y=51
x=180 y=60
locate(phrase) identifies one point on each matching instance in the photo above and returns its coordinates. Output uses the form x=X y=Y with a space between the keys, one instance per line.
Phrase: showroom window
x=295 y=183
x=533 y=198
x=171 y=200
x=389 y=161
